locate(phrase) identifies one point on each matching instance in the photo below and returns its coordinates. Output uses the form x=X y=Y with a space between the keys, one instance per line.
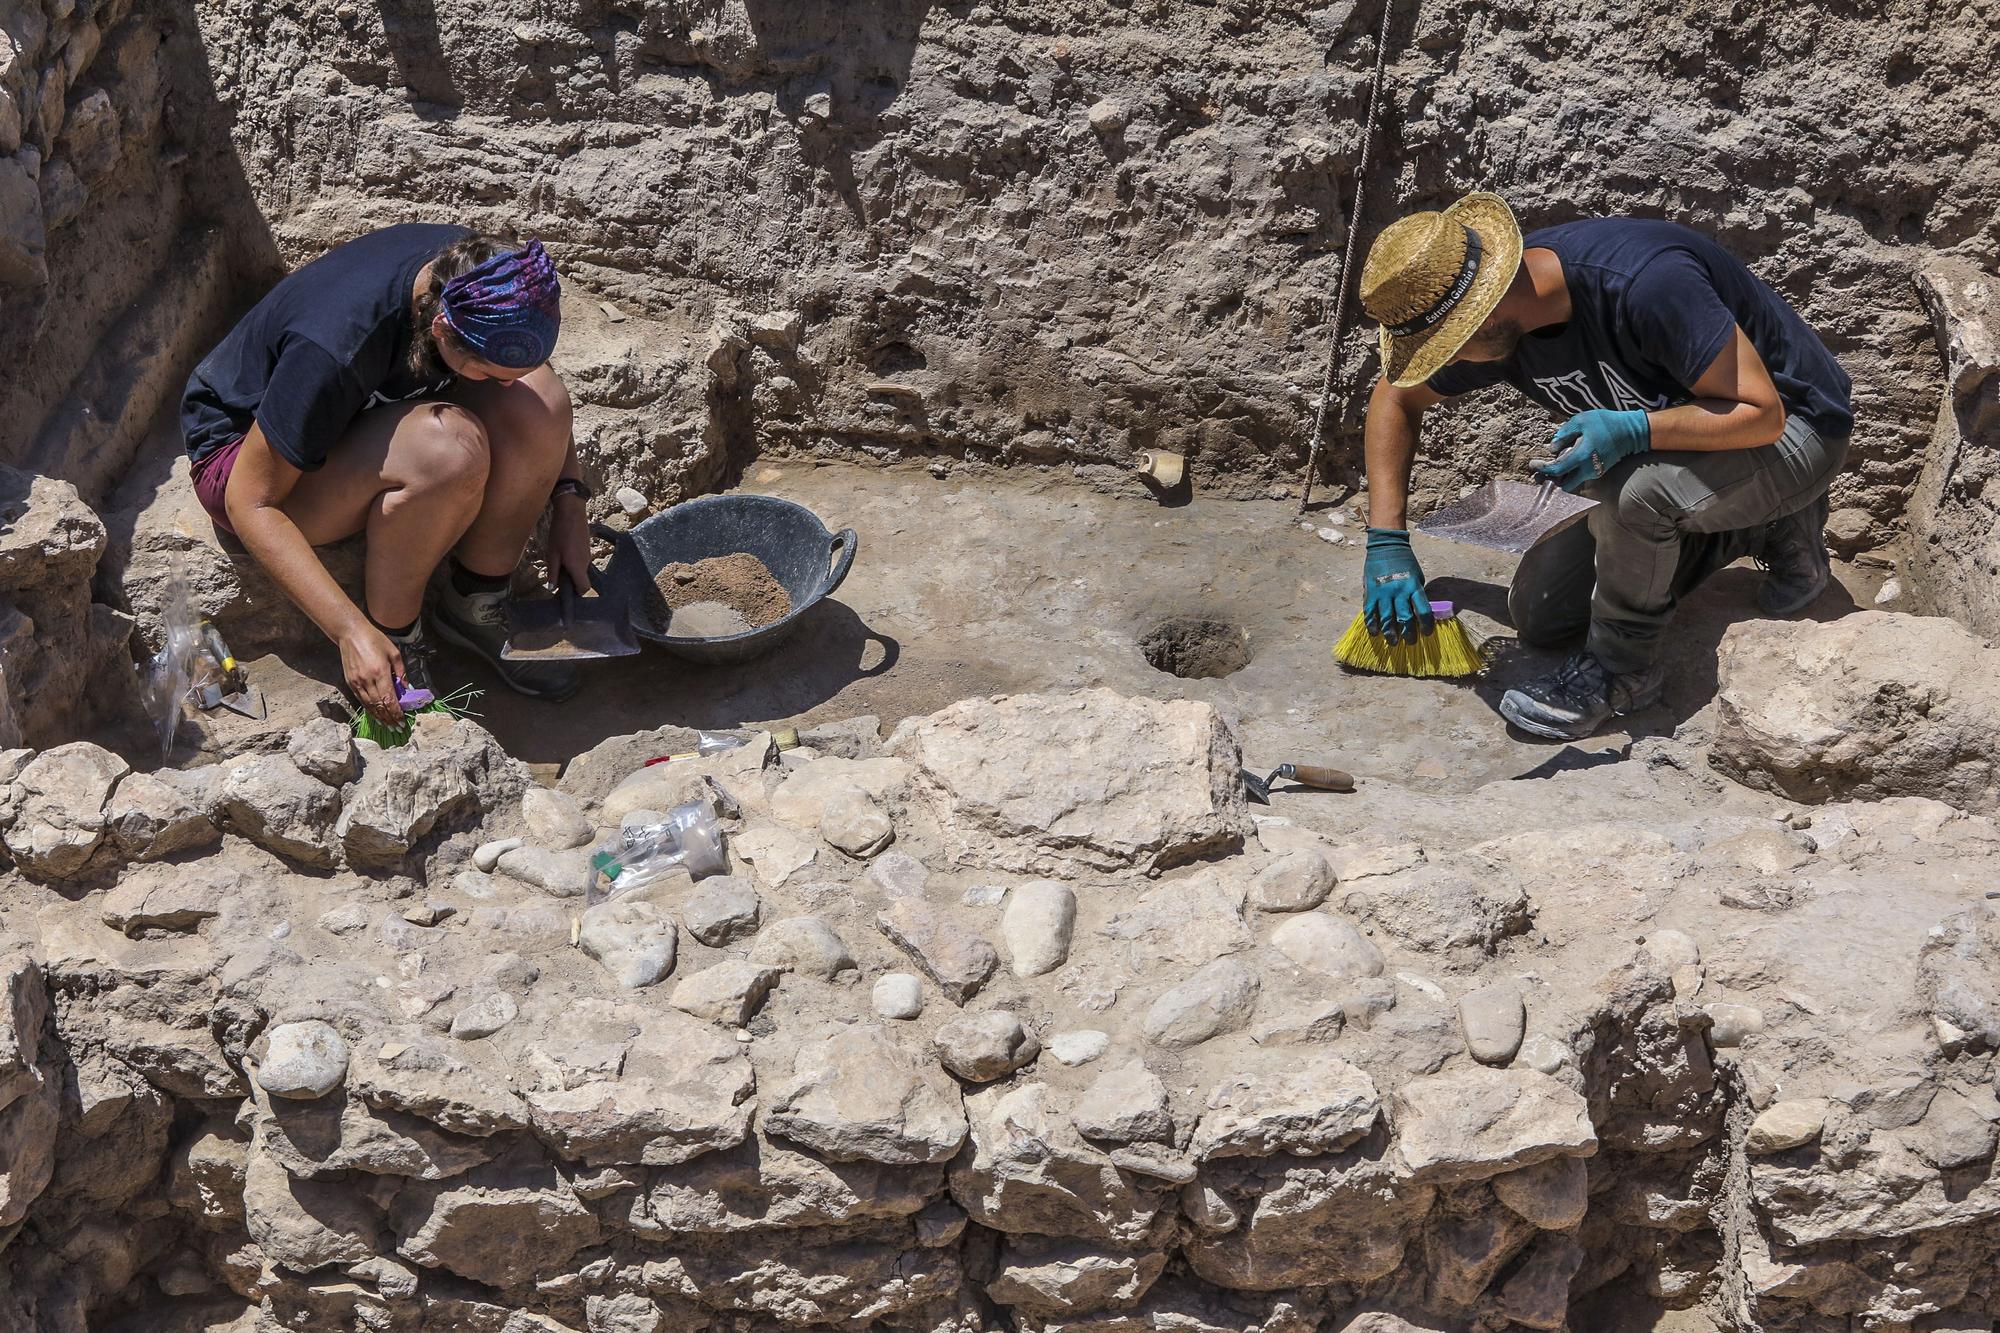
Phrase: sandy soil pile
x=724 y=594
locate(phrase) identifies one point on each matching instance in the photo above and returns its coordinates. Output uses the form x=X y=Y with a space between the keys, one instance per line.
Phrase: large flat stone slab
x=1091 y=781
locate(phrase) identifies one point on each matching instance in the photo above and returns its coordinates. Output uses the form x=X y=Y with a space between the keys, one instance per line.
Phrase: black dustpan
x=568 y=628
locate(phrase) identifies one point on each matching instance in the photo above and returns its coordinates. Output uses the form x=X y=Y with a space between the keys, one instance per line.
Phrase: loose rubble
x=898 y=995
x=1038 y=925
x=723 y=911
x=632 y=938
x=59 y=805
x=1495 y=1019
x=728 y=992
x=1296 y=882
x=1870 y=705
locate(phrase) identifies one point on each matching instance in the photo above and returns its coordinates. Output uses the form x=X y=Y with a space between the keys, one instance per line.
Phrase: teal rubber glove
x=1393 y=601
x=1601 y=441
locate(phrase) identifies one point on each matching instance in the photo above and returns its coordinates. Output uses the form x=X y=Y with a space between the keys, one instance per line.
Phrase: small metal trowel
x=1508 y=516
x=568 y=628
x=219 y=682
x=1306 y=775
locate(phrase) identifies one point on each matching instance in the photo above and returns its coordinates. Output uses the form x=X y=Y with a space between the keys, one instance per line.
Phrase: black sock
x=403 y=633
x=466 y=583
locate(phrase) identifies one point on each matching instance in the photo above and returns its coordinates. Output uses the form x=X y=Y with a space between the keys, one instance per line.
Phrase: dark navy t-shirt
x=329 y=341
x=1651 y=307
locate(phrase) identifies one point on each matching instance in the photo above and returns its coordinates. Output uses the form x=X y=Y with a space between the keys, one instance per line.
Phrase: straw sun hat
x=1432 y=279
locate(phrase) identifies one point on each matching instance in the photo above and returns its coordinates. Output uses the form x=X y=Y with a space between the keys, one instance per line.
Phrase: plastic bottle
x=689 y=839
x=706 y=743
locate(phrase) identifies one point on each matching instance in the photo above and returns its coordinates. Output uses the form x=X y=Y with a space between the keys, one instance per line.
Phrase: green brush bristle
x=1446 y=651
x=368 y=729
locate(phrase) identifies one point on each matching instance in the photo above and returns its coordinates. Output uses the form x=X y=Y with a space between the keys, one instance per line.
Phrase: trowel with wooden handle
x=1306 y=775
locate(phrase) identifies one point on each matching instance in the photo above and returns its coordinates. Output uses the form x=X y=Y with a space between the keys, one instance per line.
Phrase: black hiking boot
x=417 y=651
x=1576 y=699
x=1796 y=566
x=478 y=622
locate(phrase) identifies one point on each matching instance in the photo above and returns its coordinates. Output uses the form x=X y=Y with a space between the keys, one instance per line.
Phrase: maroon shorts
x=211 y=481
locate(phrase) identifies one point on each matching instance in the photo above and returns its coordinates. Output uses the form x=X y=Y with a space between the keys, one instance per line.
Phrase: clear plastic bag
x=706 y=744
x=170 y=672
x=689 y=839
x=10 y=725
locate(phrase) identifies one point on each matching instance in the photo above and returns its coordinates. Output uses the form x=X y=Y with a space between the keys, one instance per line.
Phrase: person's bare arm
x=1389 y=443
x=1736 y=405
x=568 y=548
x=254 y=498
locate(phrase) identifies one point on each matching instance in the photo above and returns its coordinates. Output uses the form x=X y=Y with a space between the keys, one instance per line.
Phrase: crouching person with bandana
x=398 y=386
x=1696 y=407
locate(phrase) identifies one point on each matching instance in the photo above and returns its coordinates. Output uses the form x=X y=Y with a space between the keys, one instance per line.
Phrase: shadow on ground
x=1690 y=652
x=831 y=651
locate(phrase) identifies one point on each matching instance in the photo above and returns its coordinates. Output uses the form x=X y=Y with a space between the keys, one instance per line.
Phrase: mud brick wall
x=1064 y=232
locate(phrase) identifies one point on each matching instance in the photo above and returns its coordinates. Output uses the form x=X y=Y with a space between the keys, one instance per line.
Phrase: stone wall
x=964 y=1039
x=123 y=233
x=126 y=238
x=1953 y=557
x=63 y=664
x=1060 y=233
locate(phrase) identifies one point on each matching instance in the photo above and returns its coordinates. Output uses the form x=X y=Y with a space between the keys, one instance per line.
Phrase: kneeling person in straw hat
x=1698 y=410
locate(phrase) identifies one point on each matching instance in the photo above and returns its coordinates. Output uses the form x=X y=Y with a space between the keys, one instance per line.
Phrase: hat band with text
x=1441 y=307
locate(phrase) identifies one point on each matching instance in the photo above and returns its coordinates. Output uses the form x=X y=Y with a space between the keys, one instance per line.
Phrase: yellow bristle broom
x=1447 y=650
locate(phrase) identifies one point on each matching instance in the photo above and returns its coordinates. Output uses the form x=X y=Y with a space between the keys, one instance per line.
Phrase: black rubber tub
x=789 y=538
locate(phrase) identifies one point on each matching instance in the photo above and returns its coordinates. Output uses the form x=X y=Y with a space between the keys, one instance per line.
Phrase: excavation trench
x=1009 y=1012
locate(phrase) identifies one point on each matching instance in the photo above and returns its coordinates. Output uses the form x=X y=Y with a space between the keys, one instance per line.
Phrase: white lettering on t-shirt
x=1624 y=396
x=1573 y=393
x=1570 y=393
x=380 y=399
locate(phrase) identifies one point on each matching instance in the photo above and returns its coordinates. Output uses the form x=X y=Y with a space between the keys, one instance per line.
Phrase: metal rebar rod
x=1343 y=278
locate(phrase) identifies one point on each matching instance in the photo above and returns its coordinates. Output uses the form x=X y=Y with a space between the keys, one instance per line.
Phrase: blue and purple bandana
x=509 y=309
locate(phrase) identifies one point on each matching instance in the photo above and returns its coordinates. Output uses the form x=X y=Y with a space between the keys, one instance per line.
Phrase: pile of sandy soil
x=722 y=595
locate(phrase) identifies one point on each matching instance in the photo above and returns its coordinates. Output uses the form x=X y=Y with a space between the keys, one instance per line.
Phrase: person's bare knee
x=531 y=417
x=440 y=467
x=451 y=452
x=529 y=424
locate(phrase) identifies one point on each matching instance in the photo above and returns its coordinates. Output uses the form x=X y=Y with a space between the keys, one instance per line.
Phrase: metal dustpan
x=1508 y=516
x=568 y=628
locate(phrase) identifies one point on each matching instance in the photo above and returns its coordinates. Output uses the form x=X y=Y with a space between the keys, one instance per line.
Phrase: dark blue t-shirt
x=329 y=341
x=1651 y=306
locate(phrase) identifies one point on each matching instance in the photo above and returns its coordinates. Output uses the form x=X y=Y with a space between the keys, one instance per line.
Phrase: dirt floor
x=1022 y=583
